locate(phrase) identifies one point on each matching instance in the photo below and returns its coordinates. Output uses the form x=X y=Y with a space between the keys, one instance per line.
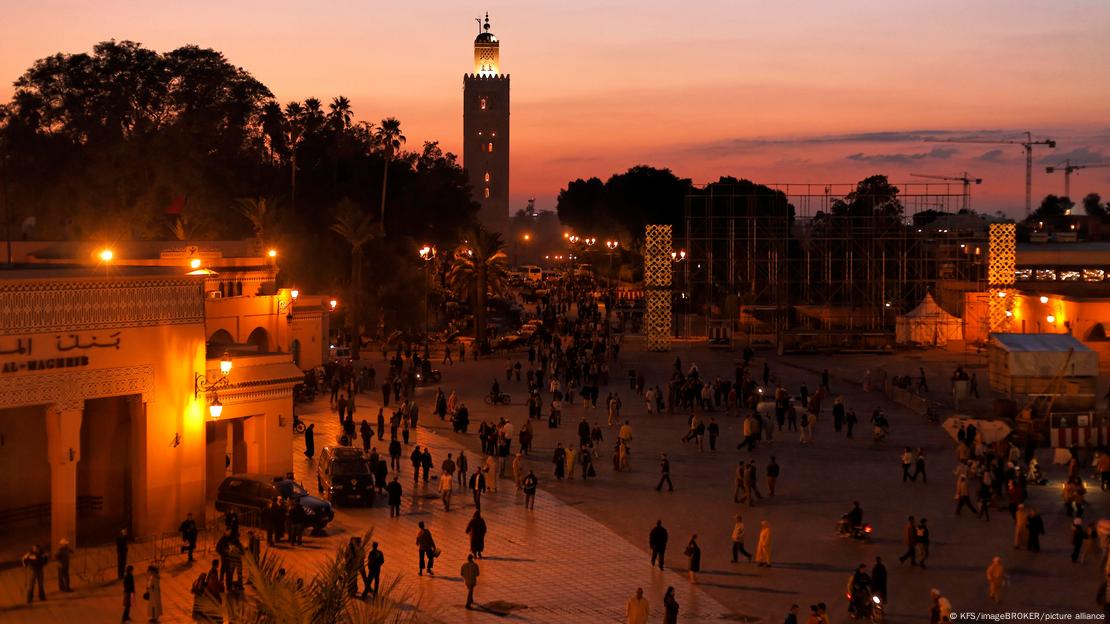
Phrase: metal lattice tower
x=657 y=279
x=1000 y=273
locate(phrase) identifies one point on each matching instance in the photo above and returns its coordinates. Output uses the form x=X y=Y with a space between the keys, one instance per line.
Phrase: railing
x=41 y=512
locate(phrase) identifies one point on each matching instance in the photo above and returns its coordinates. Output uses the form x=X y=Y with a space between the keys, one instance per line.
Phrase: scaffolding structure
x=797 y=259
x=657 y=279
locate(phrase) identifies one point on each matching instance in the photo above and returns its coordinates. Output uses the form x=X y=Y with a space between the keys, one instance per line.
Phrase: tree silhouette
x=479 y=270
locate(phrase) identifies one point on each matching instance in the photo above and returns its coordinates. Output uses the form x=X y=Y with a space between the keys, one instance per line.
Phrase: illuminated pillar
x=63 y=448
x=657 y=279
x=1000 y=274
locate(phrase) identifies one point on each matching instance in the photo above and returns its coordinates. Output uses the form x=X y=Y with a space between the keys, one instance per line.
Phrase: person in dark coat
x=394 y=492
x=35 y=562
x=657 y=541
x=367 y=434
x=426 y=463
x=121 y=553
x=188 y=531
x=878 y=578
x=310 y=441
x=1036 y=529
x=670 y=607
x=62 y=556
x=381 y=423
x=128 y=592
x=476 y=529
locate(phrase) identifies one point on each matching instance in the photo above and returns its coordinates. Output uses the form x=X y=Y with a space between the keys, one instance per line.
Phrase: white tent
x=929 y=324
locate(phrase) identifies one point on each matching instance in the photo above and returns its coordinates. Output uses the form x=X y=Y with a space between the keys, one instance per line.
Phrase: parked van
x=532 y=273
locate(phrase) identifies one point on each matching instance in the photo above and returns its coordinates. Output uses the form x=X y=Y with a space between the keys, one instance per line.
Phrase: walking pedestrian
x=850 y=421
x=637 y=608
x=665 y=474
x=188 y=531
x=153 y=593
x=1078 y=536
x=657 y=542
x=426 y=547
x=529 y=484
x=477 y=486
x=476 y=529
x=995 y=575
x=878 y=578
x=35 y=562
x=772 y=476
x=921 y=542
x=310 y=441
x=738 y=539
x=469 y=572
x=121 y=553
x=963 y=497
x=907 y=463
x=919 y=466
x=763 y=546
x=62 y=556
x=393 y=493
x=670 y=607
x=375 y=559
x=1036 y=529
x=445 y=490
x=693 y=555
x=714 y=432
x=128 y=592
x=1021 y=527
x=909 y=540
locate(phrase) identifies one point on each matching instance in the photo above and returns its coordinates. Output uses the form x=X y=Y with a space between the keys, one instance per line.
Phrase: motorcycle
x=869 y=608
x=432 y=376
x=862 y=532
x=500 y=399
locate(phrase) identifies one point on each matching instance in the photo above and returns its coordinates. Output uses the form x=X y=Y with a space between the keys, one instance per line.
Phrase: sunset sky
x=792 y=91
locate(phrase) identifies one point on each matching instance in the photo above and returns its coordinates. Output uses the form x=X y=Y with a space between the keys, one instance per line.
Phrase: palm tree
x=340 y=113
x=389 y=139
x=272 y=122
x=480 y=270
x=260 y=212
x=357 y=229
x=294 y=133
x=272 y=597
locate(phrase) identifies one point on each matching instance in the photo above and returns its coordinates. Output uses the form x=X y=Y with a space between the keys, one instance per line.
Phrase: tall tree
x=389 y=140
x=339 y=113
x=356 y=228
x=1092 y=205
x=479 y=270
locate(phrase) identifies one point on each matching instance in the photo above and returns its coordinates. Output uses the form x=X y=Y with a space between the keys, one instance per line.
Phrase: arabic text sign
x=47 y=357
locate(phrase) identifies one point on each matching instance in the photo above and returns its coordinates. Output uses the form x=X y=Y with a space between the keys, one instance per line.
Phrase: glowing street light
x=1044 y=299
x=294 y=294
x=106 y=255
x=611 y=244
x=272 y=253
x=333 y=303
x=1051 y=319
x=225 y=364
x=216 y=408
x=194 y=263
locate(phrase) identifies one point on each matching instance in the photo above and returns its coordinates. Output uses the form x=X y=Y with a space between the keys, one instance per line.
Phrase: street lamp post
x=427 y=253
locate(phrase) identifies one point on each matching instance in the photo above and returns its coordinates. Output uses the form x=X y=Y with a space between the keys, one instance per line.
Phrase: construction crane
x=1027 y=145
x=967 y=181
x=1069 y=169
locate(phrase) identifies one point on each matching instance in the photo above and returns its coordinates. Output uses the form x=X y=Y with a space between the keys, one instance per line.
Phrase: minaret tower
x=486 y=131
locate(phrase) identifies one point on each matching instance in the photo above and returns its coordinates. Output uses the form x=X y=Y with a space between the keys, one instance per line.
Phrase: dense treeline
x=129 y=143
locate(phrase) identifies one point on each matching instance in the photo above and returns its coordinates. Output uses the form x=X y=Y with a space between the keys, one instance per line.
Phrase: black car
x=252 y=492
x=343 y=476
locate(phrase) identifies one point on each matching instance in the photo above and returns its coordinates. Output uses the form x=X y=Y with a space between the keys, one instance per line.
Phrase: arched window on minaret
x=482 y=103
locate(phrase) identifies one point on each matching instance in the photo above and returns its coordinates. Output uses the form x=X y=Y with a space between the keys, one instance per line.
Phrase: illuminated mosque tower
x=486 y=131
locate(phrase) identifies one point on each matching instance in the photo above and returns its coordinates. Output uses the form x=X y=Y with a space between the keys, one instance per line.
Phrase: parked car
x=343 y=476
x=251 y=493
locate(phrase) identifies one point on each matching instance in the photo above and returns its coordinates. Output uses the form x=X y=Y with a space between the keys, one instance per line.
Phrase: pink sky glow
x=796 y=91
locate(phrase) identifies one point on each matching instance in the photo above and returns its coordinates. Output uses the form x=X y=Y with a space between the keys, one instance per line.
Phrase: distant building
x=486 y=132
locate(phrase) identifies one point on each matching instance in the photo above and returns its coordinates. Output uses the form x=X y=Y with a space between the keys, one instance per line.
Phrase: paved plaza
x=583 y=551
